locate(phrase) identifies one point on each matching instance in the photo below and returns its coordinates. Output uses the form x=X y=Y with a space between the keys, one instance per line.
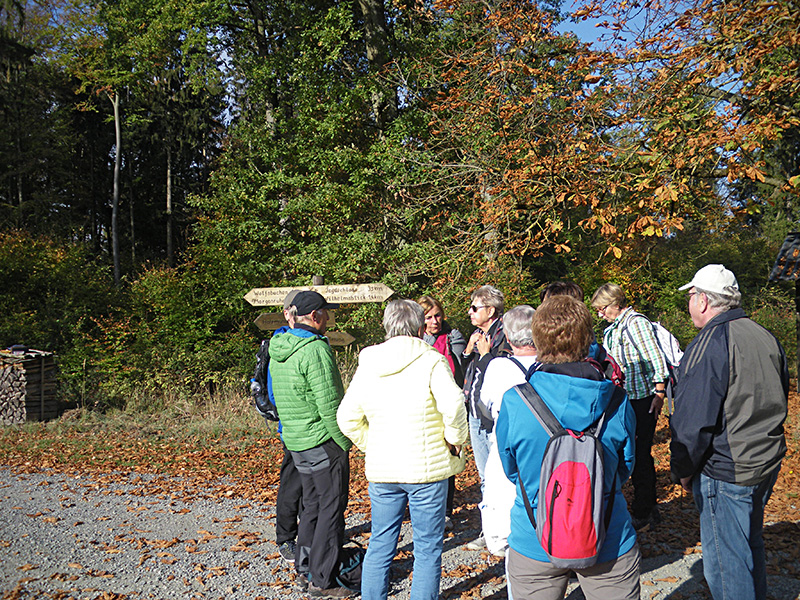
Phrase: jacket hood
x=394 y=355
x=575 y=401
x=283 y=346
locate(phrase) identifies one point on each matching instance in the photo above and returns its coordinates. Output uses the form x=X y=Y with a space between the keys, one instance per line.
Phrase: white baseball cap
x=714 y=278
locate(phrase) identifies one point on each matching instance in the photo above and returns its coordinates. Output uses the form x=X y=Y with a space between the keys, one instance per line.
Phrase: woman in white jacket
x=405 y=412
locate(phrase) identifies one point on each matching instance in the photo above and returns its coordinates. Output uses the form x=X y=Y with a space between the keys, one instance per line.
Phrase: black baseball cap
x=309 y=301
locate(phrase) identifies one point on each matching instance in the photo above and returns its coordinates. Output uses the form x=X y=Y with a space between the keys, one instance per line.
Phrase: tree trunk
x=132 y=219
x=114 y=98
x=376 y=35
x=131 y=202
x=170 y=250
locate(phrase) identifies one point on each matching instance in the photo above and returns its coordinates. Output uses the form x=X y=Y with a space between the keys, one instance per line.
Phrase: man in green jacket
x=308 y=389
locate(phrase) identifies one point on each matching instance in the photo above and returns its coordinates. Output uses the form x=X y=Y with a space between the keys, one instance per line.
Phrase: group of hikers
x=556 y=423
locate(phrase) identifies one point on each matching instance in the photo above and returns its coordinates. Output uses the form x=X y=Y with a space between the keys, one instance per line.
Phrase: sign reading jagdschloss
x=339 y=294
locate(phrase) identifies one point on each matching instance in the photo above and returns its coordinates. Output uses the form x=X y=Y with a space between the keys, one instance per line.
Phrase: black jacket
x=475 y=369
x=731 y=402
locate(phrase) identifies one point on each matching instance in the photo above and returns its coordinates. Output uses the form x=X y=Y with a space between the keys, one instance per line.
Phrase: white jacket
x=400 y=407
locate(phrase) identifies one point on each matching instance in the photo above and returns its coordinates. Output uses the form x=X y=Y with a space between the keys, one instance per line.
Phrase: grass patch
x=210 y=436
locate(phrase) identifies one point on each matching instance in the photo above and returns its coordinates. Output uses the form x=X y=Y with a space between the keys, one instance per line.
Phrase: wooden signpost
x=338 y=294
x=274 y=320
x=339 y=338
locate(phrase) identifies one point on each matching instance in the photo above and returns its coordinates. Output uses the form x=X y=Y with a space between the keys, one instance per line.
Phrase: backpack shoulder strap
x=626 y=329
x=529 y=371
x=539 y=409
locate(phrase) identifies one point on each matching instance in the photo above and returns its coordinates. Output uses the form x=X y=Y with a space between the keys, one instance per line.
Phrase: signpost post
x=339 y=294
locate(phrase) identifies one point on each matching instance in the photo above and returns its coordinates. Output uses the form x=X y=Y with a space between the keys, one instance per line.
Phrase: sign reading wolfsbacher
x=339 y=294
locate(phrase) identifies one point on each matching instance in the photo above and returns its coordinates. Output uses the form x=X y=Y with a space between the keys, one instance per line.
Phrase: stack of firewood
x=12 y=393
x=27 y=387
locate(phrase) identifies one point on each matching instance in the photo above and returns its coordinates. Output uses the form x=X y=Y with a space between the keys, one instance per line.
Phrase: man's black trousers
x=325 y=475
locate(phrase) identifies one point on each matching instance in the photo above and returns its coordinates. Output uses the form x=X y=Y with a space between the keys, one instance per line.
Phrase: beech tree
x=712 y=91
x=299 y=190
x=516 y=137
x=537 y=144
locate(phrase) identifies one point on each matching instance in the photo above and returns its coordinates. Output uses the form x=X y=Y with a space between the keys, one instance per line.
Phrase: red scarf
x=442 y=344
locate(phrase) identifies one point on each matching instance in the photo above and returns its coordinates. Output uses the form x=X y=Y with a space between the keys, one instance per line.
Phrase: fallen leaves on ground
x=248 y=468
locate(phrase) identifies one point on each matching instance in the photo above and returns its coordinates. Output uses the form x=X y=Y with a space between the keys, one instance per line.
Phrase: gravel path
x=71 y=536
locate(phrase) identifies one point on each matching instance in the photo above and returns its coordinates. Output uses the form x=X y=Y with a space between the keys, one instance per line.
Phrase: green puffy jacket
x=307 y=388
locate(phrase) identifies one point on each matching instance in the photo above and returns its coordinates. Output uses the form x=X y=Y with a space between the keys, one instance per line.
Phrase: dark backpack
x=351 y=561
x=609 y=367
x=570 y=520
x=259 y=384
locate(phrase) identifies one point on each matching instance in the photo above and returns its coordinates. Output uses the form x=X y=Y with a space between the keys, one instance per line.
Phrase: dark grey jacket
x=731 y=402
x=475 y=367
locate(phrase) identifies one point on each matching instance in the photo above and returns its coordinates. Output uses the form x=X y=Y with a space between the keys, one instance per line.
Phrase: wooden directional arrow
x=339 y=338
x=339 y=294
x=275 y=320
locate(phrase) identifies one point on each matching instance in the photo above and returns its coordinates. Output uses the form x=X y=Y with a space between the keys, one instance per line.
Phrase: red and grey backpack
x=571 y=519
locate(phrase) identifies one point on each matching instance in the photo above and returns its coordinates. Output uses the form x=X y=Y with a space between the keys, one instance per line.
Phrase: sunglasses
x=474 y=308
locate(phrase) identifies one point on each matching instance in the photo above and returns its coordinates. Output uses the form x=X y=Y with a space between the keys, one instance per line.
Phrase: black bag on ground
x=351 y=561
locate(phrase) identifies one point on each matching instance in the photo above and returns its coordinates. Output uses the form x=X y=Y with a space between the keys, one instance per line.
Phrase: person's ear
x=704 y=302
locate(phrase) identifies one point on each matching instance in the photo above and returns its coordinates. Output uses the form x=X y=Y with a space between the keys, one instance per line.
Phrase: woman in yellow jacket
x=405 y=412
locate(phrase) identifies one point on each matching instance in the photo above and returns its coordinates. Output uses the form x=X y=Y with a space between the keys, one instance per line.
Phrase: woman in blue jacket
x=577 y=393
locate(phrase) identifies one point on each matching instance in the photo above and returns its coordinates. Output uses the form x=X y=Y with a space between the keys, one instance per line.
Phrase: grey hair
x=517 y=326
x=722 y=301
x=403 y=317
x=305 y=319
x=491 y=296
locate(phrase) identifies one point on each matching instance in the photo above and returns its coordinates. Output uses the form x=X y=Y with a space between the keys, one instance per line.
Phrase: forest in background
x=158 y=159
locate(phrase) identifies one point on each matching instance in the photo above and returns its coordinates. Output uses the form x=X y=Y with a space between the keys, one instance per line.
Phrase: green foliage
x=169 y=341
x=50 y=291
x=434 y=147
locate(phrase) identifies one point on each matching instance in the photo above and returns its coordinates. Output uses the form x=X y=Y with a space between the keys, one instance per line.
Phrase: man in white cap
x=727 y=432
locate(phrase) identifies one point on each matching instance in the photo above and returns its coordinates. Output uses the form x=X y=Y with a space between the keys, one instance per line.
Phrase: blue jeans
x=479 y=438
x=731 y=526
x=426 y=502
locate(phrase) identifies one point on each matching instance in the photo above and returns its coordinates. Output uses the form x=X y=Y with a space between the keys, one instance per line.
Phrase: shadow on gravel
x=694 y=587
x=478 y=579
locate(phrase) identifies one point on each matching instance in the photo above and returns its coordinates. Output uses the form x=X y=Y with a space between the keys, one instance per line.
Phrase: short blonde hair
x=609 y=294
x=562 y=330
x=429 y=302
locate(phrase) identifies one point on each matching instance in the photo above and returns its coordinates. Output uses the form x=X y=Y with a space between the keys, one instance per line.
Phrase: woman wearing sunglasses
x=487 y=342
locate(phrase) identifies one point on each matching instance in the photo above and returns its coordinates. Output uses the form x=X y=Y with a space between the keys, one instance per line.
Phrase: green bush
x=48 y=289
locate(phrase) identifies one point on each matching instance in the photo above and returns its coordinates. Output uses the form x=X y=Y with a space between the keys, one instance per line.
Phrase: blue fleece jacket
x=577 y=402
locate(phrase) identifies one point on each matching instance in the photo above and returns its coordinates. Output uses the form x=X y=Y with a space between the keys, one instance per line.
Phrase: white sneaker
x=477 y=544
